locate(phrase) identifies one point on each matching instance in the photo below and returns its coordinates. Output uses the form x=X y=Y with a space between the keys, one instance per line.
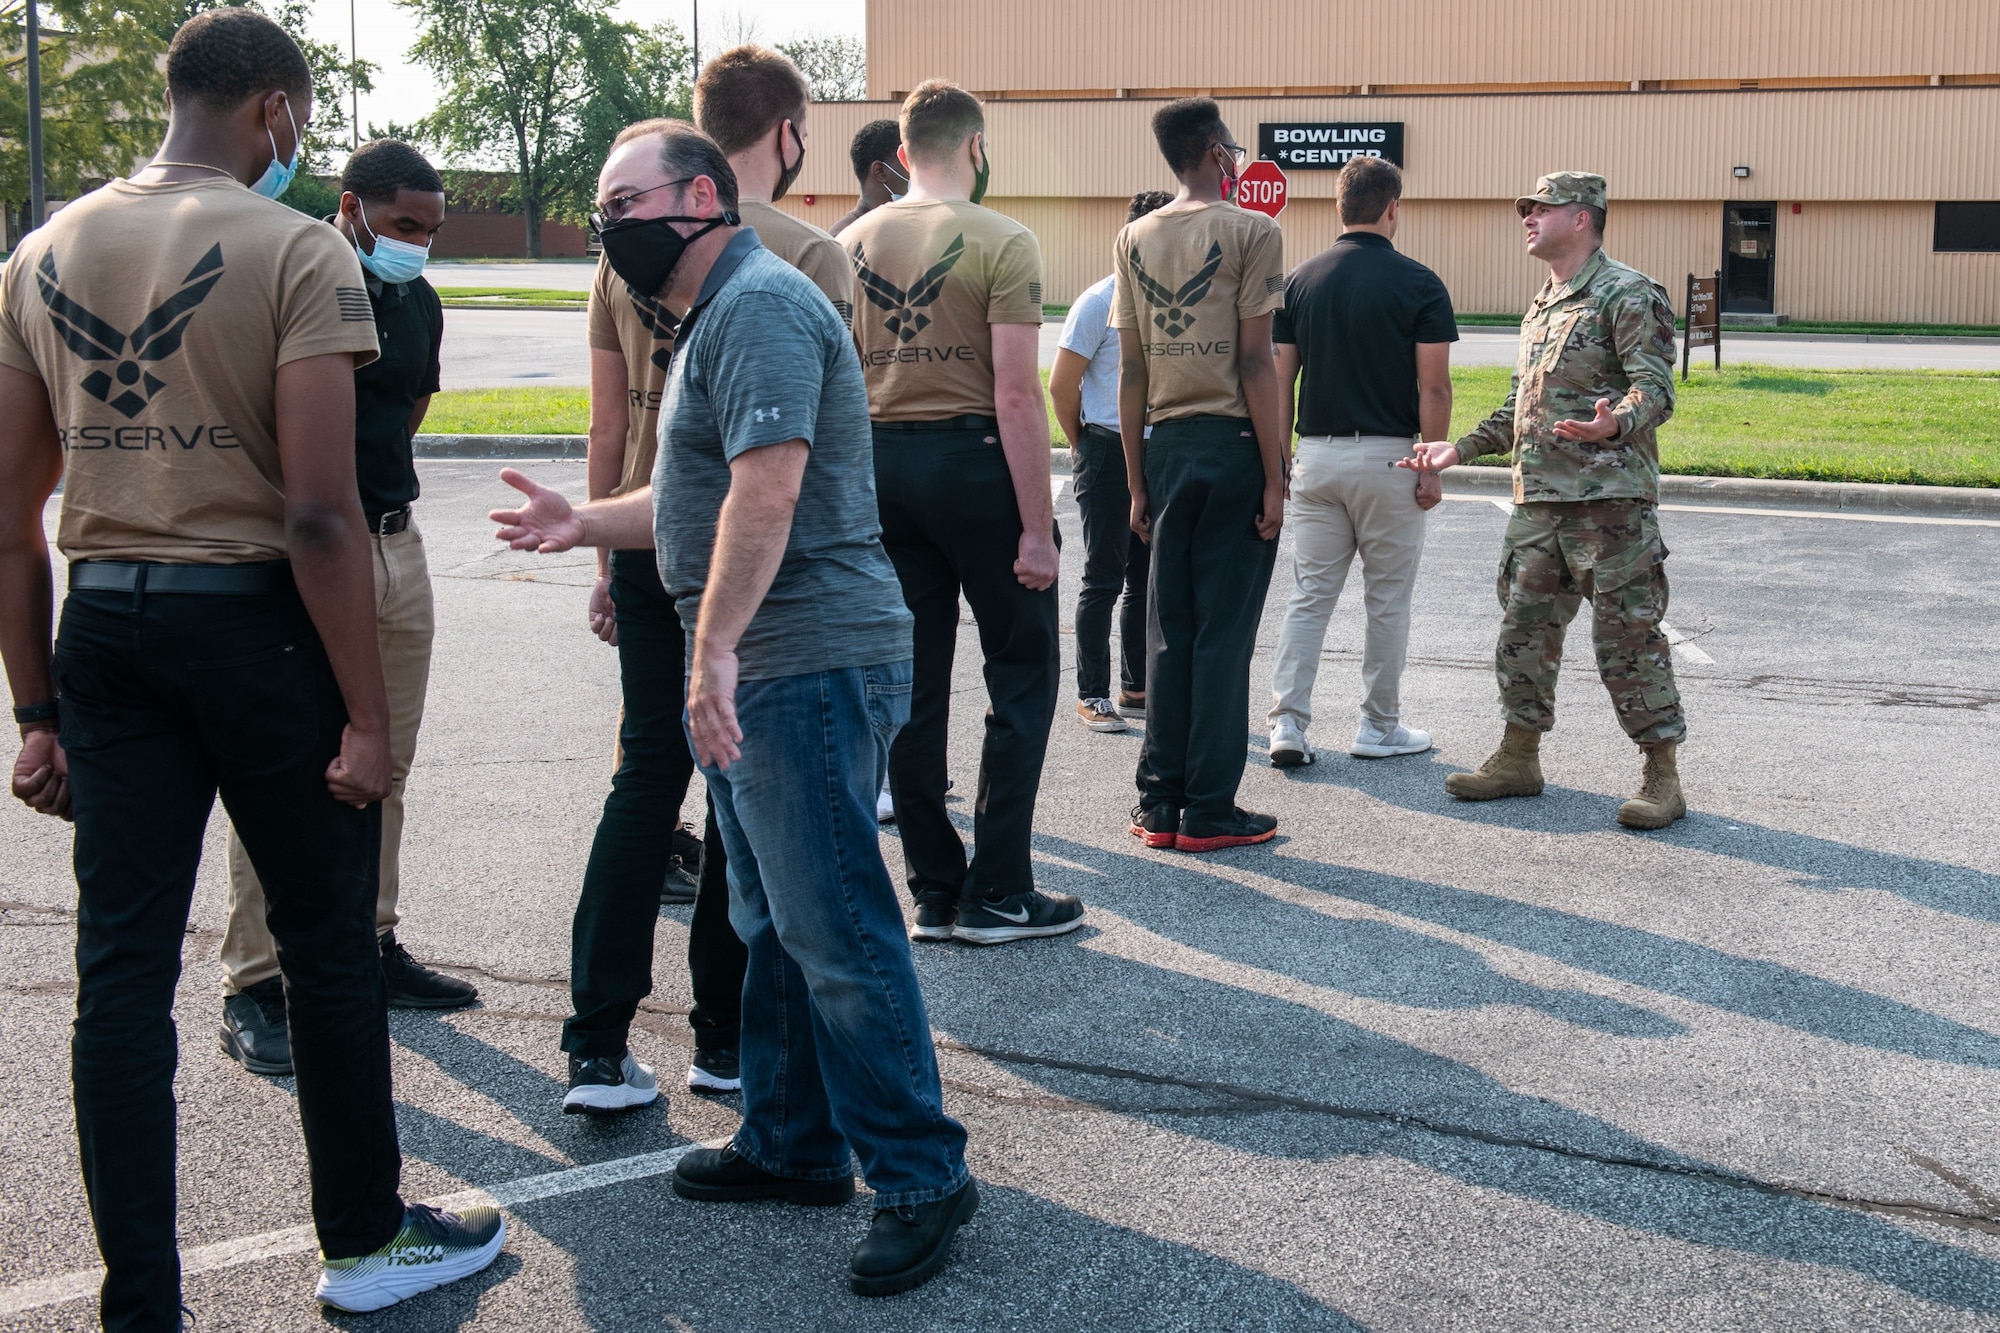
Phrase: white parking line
x=21 y=1297
x=1504 y=506
x=1508 y=508
x=1683 y=647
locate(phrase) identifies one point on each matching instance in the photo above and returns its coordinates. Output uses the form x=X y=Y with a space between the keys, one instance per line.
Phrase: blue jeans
x=836 y=1053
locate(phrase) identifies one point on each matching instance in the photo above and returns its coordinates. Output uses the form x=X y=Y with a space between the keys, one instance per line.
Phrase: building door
x=1748 y=233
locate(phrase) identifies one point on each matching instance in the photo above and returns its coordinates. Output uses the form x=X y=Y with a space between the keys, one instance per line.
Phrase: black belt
x=1106 y=431
x=949 y=423
x=389 y=523
x=262 y=578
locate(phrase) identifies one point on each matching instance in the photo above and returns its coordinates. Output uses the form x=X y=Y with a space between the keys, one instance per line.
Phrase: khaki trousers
x=405 y=624
x=1347 y=500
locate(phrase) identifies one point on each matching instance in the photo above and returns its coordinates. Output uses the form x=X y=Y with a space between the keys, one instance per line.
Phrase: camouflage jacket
x=1606 y=333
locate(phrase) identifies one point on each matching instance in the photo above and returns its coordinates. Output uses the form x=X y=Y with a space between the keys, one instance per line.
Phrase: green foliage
x=540 y=89
x=836 y=68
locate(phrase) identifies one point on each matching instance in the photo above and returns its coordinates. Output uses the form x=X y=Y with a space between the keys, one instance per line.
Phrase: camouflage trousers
x=1554 y=556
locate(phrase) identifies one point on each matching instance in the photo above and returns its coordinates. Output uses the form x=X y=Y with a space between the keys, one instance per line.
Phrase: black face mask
x=645 y=251
x=786 y=175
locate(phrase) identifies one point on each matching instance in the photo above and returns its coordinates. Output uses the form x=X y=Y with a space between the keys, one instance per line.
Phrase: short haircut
x=877 y=141
x=745 y=91
x=1146 y=201
x=1185 y=129
x=1596 y=216
x=937 y=117
x=221 y=58
x=381 y=169
x=685 y=152
x=1365 y=188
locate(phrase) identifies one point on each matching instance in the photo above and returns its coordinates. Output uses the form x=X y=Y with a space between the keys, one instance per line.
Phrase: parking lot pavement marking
x=1684 y=649
x=21 y=1297
x=1507 y=507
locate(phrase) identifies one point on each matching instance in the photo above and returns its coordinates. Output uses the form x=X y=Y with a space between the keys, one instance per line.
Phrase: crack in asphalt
x=1254 y=1101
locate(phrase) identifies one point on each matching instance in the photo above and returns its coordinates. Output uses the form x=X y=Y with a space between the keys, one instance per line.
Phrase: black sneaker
x=1238 y=828
x=906 y=1246
x=253 y=1029
x=936 y=919
x=1156 y=825
x=414 y=986
x=718 y=1175
x=600 y=1085
x=1024 y=916
x=715 y=1069
x=684 y=868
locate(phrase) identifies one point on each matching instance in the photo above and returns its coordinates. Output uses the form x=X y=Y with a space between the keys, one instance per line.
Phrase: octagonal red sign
x=1262 y=188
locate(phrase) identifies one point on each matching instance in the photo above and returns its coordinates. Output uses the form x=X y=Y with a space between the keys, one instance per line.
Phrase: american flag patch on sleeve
x=1035 y=292
x=354 y=306
x=1274 y=283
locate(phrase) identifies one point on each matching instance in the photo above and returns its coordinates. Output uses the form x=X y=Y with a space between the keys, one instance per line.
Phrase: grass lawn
x=511 y=298
x=1932 y=428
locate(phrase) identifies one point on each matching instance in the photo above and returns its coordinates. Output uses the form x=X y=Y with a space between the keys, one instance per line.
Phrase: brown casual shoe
x=1132 y=703
x=1099 y=715
x=1659 y=802
x=1515 y=769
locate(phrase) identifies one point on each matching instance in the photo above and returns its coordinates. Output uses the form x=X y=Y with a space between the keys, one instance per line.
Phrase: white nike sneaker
x=599 y=1085
x=1289 y=747
x=433 y=1248
x=1373 y=742
x=885 y=809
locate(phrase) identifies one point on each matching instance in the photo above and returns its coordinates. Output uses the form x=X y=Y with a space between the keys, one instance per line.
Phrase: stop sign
x=1262 y=187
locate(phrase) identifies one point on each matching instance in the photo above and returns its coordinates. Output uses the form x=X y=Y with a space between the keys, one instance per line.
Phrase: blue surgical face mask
x=277 y=178
x=392 y=260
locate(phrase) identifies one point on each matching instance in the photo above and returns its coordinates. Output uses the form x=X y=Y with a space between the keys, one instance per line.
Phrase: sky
x=403 y=92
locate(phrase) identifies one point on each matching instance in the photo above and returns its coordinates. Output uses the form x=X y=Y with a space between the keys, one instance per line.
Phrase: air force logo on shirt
x=129 y=386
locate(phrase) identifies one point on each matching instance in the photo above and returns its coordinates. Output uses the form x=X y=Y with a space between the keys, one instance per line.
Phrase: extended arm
x=751 y=533
x=1268 y=415
x=1024 y=438
x=332 y=561
x=30 y=465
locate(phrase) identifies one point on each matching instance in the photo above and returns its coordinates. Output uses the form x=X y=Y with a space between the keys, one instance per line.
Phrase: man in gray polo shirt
x=799 y=674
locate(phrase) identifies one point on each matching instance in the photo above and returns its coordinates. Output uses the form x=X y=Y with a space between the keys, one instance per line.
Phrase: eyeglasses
x=1236 y=151
x=617 y=206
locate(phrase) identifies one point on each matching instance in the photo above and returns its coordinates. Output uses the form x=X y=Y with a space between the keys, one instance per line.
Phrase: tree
x=836 y=68
x=542 y=87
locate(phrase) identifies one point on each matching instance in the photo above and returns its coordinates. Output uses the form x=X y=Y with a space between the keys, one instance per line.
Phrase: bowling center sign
x=1326 y=145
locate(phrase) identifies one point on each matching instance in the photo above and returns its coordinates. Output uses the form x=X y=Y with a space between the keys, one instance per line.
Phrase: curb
x=1769 y=493
x=1741 y=492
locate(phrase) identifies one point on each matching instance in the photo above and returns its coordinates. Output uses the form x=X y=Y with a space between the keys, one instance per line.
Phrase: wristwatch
x=45 y=711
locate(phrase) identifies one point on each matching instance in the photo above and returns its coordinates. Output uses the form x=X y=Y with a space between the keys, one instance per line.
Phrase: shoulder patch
x=1274 y=284
x=354 y=306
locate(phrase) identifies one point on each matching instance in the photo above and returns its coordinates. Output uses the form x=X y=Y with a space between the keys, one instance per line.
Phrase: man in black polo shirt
x=391 y=205
x=1372 y=332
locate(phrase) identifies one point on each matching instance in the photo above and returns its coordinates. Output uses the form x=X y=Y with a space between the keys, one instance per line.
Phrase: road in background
x=568 y=275
x=1416 y=1065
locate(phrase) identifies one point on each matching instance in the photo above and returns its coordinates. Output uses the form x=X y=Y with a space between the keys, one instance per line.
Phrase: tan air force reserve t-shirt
x=1185 y=277
x=157 y=315
x=932 y=277
x=807 y=249
x=641 y=330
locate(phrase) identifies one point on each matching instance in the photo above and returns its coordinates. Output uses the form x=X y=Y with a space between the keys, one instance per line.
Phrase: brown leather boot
x=1515 y=769
x=1659 y=801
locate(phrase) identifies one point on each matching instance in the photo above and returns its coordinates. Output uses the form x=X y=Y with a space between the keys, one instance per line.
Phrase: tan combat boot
x=1659 y=801
x=1515 y=769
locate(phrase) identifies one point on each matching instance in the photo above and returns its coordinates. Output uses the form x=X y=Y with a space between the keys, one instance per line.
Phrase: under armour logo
x=764 y=414
x=1174 y=313
x=157 y=337
x=906 y=318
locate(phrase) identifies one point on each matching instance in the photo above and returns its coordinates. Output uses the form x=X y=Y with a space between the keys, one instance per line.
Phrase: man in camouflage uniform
x=1593 y=382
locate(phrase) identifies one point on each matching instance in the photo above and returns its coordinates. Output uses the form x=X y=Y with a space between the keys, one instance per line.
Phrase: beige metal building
x=1835 y=159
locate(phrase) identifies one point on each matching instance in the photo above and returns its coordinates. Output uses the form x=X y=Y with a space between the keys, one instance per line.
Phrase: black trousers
x=611 y=938
x=1115 y=560
x=1205 y=481
x=167 y=700
x=951 y=525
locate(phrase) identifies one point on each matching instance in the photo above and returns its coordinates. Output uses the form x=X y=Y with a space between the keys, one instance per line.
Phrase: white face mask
x=392 y=260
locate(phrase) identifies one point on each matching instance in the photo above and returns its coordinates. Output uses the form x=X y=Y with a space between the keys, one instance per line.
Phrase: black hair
x=1186 y=129
x=382 y=168
x=877 y=141
x=1596 y=216
x=1146 y=201
x=225 y=56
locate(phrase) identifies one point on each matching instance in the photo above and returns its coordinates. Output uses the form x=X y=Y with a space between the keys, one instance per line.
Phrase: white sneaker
x=599 y=1085
x=1289 y=747
x=1373 y=742
x=885 y=809
x=433 y=1248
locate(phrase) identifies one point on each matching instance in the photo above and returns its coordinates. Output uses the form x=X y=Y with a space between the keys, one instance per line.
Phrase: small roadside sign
x=1704 y=319
x=1262 y=188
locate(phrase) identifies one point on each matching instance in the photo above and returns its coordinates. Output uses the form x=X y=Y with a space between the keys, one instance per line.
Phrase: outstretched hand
x=1601 y=426
x=546 y=524
x=1429 y=456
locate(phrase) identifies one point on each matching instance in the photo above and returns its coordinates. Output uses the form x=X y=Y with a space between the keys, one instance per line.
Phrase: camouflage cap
x=1565 y=187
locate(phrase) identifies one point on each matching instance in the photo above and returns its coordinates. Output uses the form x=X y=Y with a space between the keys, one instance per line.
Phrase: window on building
x=1967 y=227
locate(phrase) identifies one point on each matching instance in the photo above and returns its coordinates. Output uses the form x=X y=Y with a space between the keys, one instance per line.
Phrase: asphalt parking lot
x=1415 y=1065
